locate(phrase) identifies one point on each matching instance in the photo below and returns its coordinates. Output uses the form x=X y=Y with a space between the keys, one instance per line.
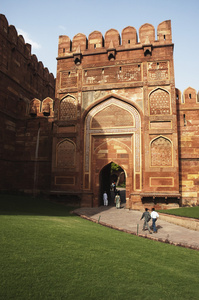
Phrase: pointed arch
x=132 y=133
x=159 y=102
x=159 y=88
x=35 y=107
x=47 y=106
x=107 y=117
x=107 y=97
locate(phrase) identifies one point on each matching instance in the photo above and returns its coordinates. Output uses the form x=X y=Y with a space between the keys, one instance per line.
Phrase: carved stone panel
x=161 y=152
x=158 y=70
x=68 y=109
x=68 y=79
x=114 y=74
x=159 y=102
x=66 y=154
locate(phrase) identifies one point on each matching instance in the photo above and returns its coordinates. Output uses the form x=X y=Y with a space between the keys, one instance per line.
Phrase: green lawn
x=190 y=212
x=47 y=253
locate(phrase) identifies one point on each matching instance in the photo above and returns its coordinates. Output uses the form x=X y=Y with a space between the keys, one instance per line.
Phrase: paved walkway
x=129 y=221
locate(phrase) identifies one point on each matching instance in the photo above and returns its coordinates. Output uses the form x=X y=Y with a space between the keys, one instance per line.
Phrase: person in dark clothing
x=147 y=217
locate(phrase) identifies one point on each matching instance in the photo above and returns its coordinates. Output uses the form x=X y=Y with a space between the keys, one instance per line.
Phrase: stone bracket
x=77 y=58
x=147 y=50
x=111 y=54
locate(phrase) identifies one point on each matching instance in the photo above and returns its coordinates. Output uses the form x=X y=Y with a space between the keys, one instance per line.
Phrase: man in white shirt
x=154 y=217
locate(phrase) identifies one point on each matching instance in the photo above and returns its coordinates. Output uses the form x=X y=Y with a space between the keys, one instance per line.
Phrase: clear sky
x=42 y=21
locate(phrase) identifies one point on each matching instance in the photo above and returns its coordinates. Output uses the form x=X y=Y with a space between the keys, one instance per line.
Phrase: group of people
x=147 y=217
x=117 y=199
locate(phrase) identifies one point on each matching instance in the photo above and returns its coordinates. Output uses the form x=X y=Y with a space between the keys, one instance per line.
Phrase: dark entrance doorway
x=109 y=175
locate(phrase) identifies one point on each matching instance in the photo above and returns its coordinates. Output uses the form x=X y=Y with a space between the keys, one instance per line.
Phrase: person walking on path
x=154 y=216
x=105 y=199
x=117 y=200
x=147 y=217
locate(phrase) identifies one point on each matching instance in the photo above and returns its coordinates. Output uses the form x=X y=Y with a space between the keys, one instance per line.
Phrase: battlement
x=188 y=99
x=13 y=43
x=113 y=40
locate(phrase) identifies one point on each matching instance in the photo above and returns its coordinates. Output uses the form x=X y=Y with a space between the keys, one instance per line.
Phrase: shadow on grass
x=28 y=205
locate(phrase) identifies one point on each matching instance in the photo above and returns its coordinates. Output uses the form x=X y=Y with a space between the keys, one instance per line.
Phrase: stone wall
x=188 y=132
x=23 y=80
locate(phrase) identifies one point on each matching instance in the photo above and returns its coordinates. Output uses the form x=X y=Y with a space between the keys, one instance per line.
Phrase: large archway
x=112 y=179
x=112 y=134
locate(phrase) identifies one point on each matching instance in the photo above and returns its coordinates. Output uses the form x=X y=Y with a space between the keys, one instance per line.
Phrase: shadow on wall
x=105 y=147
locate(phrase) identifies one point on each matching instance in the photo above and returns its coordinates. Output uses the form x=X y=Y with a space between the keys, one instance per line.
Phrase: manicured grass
x=47 y=253
x=190 y=212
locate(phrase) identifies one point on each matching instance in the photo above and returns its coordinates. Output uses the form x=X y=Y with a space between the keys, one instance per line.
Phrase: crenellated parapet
x=17 y=61
x=112 y=40
x=188 y=99
x=188 y=112
x=38 y=108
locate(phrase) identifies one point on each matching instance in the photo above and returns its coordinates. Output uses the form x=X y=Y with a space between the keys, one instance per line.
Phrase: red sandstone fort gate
x=115 y=101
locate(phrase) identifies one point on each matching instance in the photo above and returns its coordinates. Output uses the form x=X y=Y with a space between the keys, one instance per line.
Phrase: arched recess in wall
x=68 y=108
x=66 y=154
x=159 y=102
x=47 y=106
x=34 y=107
x=161 y=150
x=103 y=120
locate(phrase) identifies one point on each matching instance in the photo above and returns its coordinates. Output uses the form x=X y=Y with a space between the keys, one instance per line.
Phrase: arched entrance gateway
x=112 y=134
x=112 y=180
